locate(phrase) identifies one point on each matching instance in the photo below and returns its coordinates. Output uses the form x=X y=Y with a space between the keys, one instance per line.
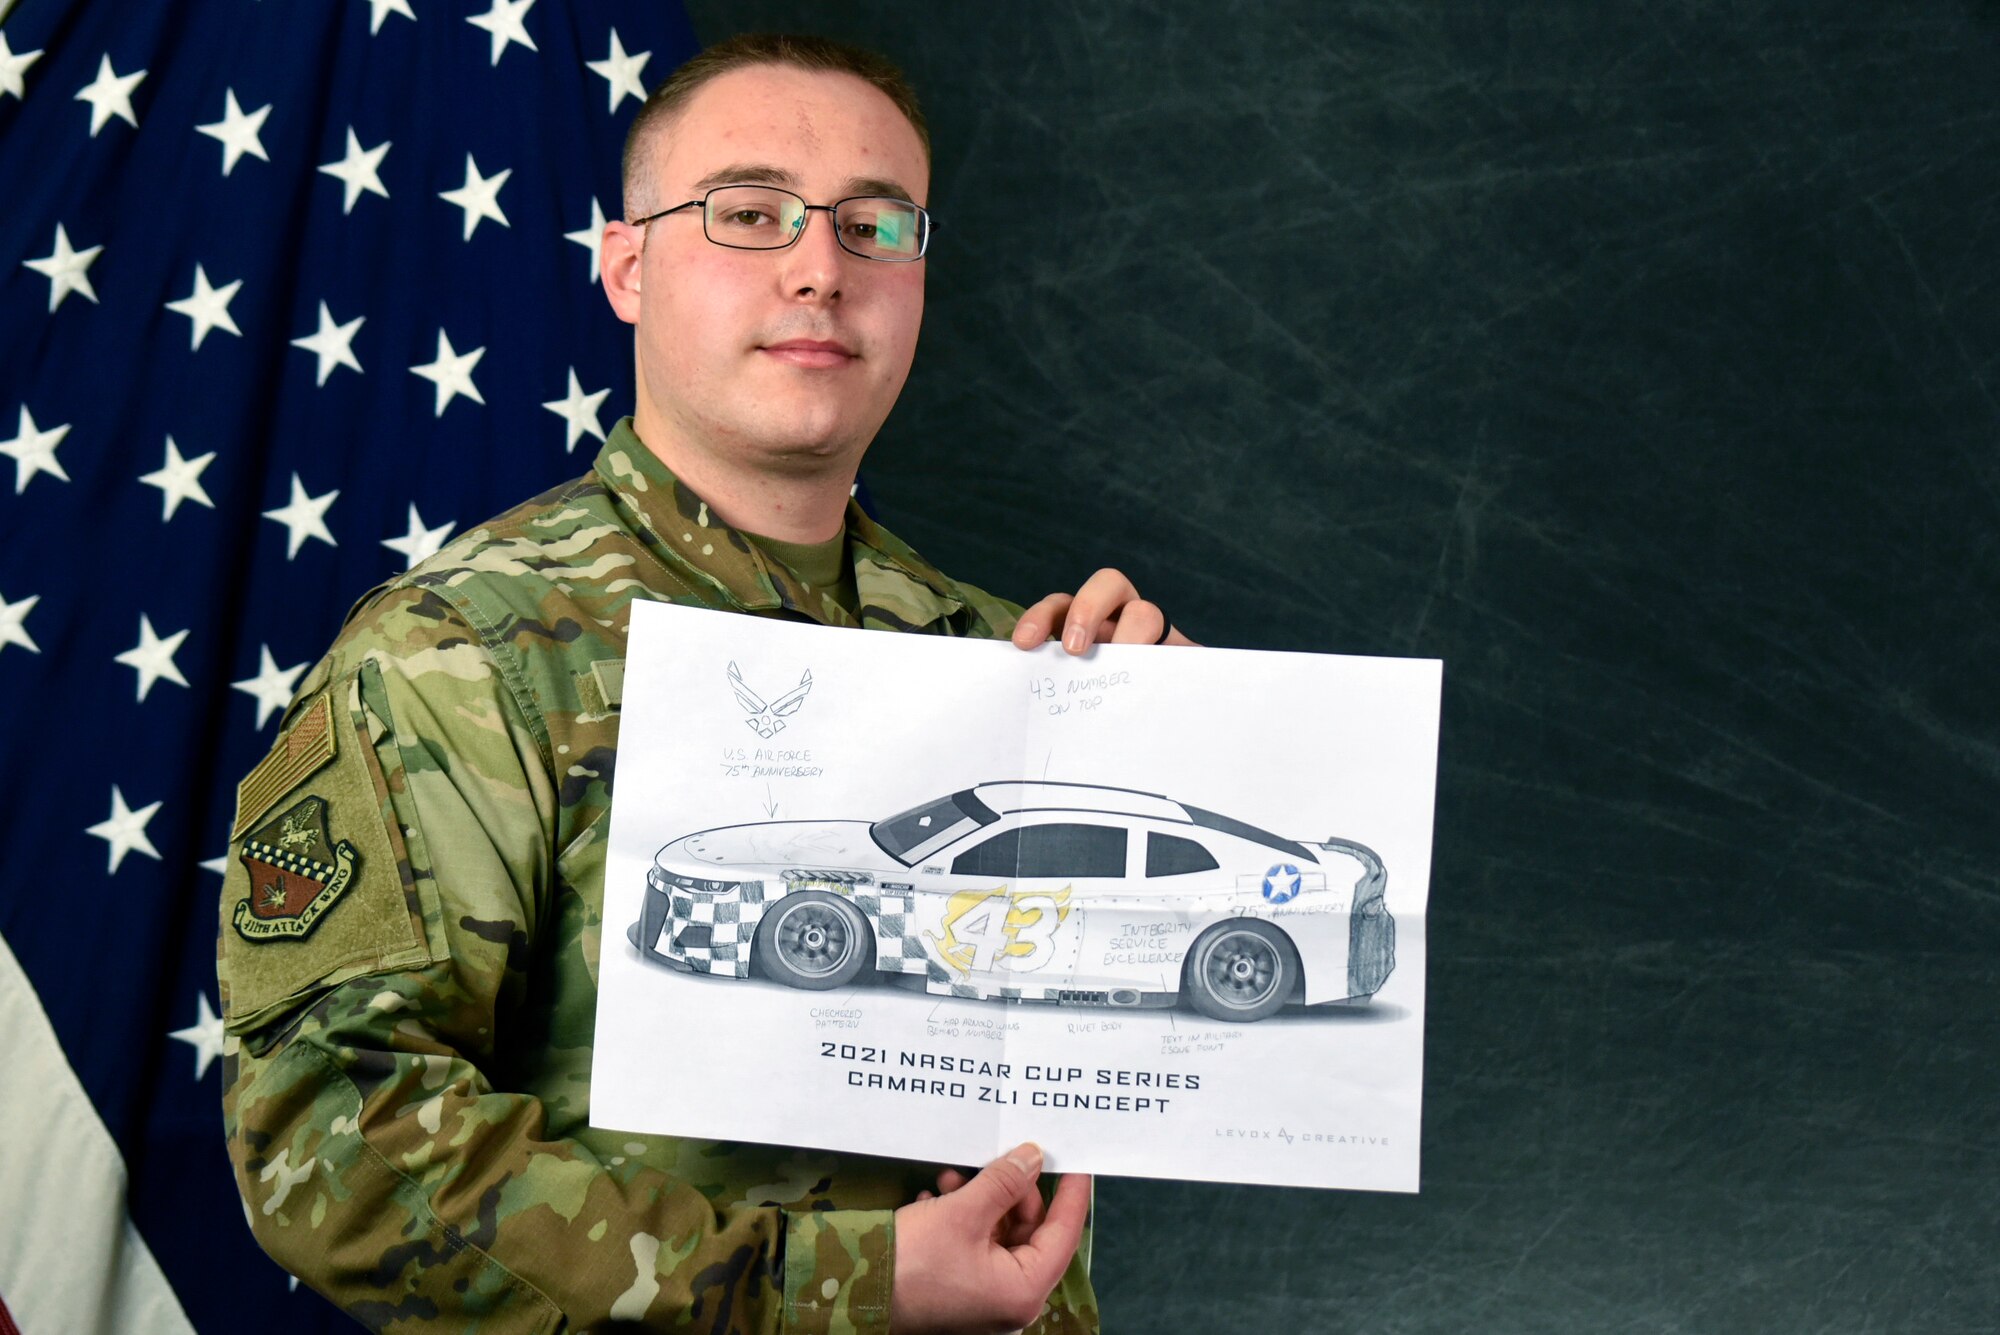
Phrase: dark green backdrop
x=1639 y=361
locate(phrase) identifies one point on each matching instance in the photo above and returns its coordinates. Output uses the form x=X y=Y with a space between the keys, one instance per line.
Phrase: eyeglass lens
x=757 y=217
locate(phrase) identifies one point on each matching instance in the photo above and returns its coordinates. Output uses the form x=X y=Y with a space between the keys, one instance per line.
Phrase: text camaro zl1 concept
x=1030 y=891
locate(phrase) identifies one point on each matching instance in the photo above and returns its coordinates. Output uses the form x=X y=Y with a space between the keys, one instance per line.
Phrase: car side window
x=1047 y=850
x=1170 y=855
x=997 y=856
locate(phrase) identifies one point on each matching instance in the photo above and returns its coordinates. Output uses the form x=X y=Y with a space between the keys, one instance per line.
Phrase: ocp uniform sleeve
x=386 y=884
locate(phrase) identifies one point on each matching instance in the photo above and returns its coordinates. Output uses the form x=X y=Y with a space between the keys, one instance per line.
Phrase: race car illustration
x=1030 y=891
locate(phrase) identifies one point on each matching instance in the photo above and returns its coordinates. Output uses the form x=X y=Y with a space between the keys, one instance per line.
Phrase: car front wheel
x=1241 y=970
x=815 y=941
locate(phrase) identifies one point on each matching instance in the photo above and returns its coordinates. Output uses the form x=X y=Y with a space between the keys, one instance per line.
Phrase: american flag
x=289 y=292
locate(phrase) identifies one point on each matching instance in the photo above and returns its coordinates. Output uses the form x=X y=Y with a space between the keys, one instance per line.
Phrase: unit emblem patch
x=296 y=872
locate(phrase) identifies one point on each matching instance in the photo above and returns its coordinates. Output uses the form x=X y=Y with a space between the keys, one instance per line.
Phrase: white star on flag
x=384 y=8
x=153 y=657
x=13 y=67
x=13 y=623
x=218 y=865
x=207 y=307
x=34 y=450
x=204 y=1035
x=451 y=373
x=579 y=411
x=332 y=343
x=305 y=517
x=179 y=480
x=67 y=270
x=420 y=543
x=503 y=21
x=621 y=72
x=271 y=688
x=479 y=197
x=591 y=238
x=357 y=171
x=237 y=131
x=109 y=95
x=125 y=830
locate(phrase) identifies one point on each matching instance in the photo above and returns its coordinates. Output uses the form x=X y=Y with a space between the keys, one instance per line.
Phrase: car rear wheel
x=815 y=941
x=1241 y=970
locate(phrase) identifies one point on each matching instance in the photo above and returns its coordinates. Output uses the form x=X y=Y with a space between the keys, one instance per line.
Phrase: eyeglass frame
x=832 y=212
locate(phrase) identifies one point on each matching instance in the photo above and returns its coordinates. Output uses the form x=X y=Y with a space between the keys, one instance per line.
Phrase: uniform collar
x=898 y=589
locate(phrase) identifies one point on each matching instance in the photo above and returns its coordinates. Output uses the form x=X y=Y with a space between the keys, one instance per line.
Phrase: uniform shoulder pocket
x=313 y=893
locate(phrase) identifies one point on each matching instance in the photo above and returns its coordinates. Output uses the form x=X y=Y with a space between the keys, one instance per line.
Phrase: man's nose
x=815 y=263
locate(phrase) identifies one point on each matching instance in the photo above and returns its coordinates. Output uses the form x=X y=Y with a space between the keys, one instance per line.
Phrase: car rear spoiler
x=1373 y=880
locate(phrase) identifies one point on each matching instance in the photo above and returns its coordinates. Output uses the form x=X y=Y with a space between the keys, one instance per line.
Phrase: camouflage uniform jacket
x=410 y=938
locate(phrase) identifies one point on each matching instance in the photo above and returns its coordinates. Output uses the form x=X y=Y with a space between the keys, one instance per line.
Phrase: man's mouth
x=815 y=353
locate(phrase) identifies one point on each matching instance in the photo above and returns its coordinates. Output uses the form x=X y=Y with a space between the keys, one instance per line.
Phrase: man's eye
x=861 y=231
x=747 y=217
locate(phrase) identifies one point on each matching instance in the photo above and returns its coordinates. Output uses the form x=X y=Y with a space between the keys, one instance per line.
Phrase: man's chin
x=809 y=437
x=802 y=450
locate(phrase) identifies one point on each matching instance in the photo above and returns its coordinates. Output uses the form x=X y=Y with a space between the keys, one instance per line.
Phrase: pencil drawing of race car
x=1031 y=891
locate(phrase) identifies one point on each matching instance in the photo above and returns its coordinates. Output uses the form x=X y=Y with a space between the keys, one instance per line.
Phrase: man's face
x=717 y=376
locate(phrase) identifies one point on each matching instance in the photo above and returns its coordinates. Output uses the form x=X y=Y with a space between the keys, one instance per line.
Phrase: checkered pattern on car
x=731 y=917
x=893 y=914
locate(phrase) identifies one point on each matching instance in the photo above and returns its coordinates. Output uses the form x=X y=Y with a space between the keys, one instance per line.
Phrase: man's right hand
x=983 y=1257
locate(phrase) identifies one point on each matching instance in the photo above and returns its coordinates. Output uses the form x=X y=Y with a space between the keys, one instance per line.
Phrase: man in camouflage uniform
x=412 y=915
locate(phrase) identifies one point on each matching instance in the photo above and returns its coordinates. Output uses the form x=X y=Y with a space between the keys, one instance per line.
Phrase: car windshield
x=923 y=828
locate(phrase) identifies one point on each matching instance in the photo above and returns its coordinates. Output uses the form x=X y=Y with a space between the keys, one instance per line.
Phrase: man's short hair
x=801 y=51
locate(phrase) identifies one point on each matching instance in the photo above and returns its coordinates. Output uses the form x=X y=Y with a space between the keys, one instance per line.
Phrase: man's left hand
x=1106 y=610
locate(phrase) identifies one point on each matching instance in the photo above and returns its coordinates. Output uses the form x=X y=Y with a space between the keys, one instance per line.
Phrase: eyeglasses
x=763 y=217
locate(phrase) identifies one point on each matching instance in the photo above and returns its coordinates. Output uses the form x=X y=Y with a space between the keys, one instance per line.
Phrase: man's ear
x=622 y=252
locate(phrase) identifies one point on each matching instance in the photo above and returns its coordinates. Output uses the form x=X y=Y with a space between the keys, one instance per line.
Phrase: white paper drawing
x=941 y=896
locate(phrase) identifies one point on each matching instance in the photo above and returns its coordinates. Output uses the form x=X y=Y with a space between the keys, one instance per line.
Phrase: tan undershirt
x=822 y=567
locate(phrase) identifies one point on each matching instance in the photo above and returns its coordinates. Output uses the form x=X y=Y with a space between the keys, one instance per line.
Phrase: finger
x=1026 y=1218
x=1101 y=596
x=993 y=1193
x=950 y=1180
x=1138 y=622
x=1046 y=1255
x=1174 y=636
x=925 y=1196
x=1030 y=1210
x=1041 y=621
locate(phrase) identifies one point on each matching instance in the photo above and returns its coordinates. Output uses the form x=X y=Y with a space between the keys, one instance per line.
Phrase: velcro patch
x=313 y=893
x=598 y=690
x=610 y=674
x=308 y=745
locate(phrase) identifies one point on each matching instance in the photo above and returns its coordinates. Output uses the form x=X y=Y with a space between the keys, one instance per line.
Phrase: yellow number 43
x=994 y=929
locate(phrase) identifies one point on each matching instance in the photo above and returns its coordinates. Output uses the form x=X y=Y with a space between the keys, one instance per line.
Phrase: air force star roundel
x=296 y=873
x=1282 y=883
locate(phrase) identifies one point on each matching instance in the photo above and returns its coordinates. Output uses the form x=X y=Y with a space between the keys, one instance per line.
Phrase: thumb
x=1001 y=1183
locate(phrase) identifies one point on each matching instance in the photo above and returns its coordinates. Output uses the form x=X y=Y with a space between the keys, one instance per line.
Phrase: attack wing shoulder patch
x=297 y=870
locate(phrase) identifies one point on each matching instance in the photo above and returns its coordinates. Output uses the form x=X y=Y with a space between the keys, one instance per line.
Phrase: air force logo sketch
x=296 y=873
x=1282 y=883
x=768 y=720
